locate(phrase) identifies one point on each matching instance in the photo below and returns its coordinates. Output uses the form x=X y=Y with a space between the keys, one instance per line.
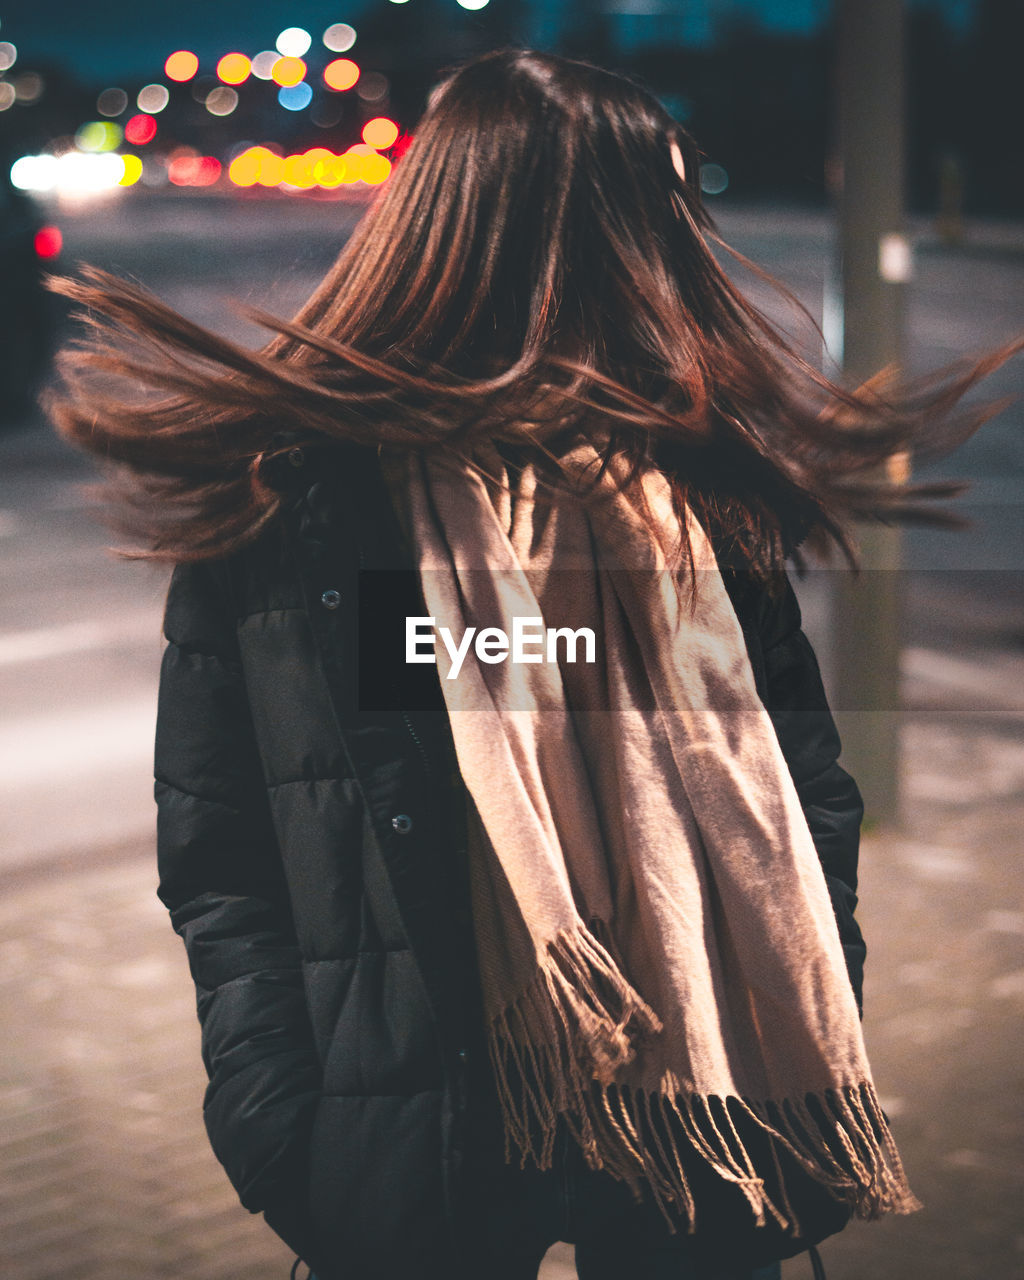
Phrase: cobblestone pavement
x=105 y=1173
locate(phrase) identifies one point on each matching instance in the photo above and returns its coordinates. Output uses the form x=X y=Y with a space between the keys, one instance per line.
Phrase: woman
x=490 y=954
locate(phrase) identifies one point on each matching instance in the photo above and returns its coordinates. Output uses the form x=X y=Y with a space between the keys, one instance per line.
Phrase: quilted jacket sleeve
x=796 y=702
x=220 y=876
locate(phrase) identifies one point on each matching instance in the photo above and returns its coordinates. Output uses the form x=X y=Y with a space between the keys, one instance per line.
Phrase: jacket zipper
x=416 y=738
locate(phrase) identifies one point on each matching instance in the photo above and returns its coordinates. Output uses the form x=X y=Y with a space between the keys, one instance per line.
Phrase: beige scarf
x=653 y=927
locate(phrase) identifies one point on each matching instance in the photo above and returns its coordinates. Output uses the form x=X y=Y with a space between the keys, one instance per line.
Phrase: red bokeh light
x=139 y=130
x=193 y=171
x=401 y=146
x=48 y=242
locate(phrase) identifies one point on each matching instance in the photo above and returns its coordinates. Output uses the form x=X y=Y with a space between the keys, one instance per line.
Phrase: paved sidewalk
x=105 y=1173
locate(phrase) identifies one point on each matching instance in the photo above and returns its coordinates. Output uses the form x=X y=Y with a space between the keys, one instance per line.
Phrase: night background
x=214 y=180
x=750 y=78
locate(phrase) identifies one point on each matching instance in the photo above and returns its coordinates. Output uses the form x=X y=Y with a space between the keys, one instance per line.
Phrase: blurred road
x=100 y=1080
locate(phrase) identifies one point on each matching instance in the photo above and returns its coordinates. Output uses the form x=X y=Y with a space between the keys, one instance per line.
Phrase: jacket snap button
x=461 y=1054
x=402 y=823
x=331 y=599
x=296 y=457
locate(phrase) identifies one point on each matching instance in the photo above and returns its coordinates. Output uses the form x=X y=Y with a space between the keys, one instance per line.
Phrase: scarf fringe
x=555 y=1051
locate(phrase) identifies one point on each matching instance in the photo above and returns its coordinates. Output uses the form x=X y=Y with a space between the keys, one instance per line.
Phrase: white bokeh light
x=293 y=42
x=153 y=98
x=263 y=64
x=340 y=37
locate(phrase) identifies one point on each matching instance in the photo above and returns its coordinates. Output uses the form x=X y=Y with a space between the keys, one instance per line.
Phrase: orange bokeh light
x=341 y=74
x=257 y=165
x=375 y=169
x=317 y=167
x=181 y=65
x=288 y=71
x=234 y=68
x=244 y=170
x=380 y=133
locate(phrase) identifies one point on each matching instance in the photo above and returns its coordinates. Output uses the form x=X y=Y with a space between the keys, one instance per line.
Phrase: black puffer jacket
x=309 y=859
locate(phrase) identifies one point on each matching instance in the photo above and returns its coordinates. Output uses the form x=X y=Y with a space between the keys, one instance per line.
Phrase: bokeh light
x=181 y=66
x=293 y=42
x=153 y=98
x=202 y=87
x=375 y=170
x=222 y=101
x=473 y=4
x=111 y=102
x=380 y=133
x=132 y=171
x=29 y=87
x=234 y=68
x=98 y=135
x=48 y=242
x=188 y=170
x=75 y=173
x=263 y=64
x=713 y=179
x=7 y=95
x=317 y=167
x=339 y=37
x=244 y=170
x=8 y=55
x=34 y=173
x=297 y=172
x=341 y=74
x=256 y=165
x=326 y=113
x=271 y=169
x=139 y=130
x=293 y=97
x=373 y=86
x=288 y=71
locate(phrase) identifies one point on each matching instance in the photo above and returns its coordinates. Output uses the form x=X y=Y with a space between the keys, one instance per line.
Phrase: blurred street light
x=293 y=42
x=340 y=37
x=294 y=97
x=139 y=130
x=181 y=66
x=111 y=102
x=234 y=68
x=152 y=99
x=288 y=71
x=263 y=64
x=341 y=74
x=222 y=101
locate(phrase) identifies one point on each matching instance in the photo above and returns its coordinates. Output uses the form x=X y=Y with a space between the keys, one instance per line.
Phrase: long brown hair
x=534 y=268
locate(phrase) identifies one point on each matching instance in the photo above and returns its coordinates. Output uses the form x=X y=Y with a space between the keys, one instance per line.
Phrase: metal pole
x=874 y=265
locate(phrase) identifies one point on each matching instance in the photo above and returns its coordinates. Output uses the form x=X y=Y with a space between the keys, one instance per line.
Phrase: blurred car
x=28 y=246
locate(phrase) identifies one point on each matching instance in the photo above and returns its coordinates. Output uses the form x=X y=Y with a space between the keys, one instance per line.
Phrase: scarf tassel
x=556 y=1049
